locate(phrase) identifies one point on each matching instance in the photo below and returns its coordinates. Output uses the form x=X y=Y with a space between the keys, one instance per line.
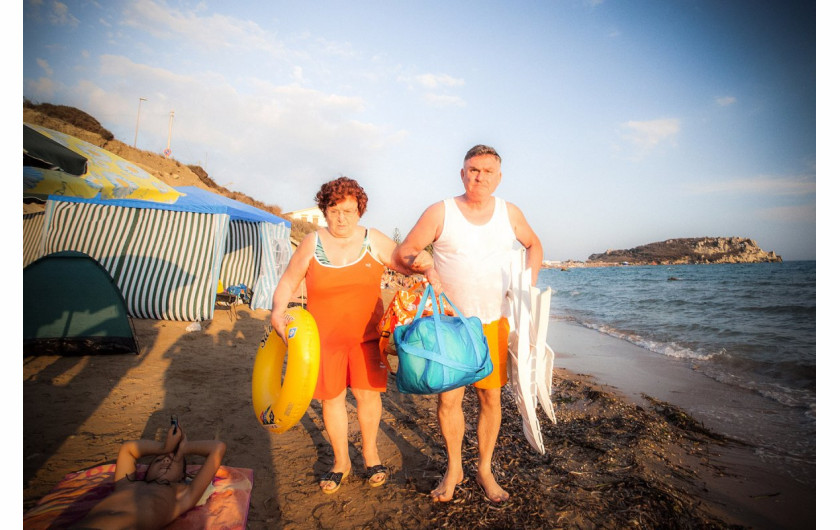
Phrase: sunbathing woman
x=161 y=496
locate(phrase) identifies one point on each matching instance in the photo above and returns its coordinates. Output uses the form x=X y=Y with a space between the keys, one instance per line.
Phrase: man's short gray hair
x=479 y=150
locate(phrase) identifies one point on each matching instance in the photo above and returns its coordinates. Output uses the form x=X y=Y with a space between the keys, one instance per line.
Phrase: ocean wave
x=670 y=349
x=751 y=327
x=782 y=394
x=786 y=310
x=713 y=365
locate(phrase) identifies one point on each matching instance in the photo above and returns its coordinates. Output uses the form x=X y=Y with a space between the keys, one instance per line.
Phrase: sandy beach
x=613 y=460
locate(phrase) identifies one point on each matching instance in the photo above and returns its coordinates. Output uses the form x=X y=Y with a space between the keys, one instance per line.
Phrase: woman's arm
x=289 y=282
x=384 y=247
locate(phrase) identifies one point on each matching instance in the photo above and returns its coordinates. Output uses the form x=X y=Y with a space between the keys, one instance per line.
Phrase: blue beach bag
x=440 y=352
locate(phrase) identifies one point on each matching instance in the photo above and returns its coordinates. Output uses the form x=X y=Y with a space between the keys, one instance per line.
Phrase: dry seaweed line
x=604 y=467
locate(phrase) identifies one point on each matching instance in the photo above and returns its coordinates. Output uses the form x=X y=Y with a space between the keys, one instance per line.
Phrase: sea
x=750 y=327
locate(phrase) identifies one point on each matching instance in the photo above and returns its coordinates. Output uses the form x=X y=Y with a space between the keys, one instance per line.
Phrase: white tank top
x=473 y=261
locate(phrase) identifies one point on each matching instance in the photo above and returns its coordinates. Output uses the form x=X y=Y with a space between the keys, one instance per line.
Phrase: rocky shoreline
x=679 y=251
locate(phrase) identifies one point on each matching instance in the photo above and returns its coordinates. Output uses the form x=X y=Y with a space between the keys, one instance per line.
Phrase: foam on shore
x=778 y=433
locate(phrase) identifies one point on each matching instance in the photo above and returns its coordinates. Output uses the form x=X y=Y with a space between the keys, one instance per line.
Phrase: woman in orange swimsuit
x=342 y=265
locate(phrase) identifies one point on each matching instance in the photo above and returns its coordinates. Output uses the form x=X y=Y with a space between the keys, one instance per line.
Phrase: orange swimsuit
x=347 y=305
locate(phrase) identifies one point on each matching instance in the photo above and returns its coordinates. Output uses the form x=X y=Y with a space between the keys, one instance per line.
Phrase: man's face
x=165 y=468
x=481 y=176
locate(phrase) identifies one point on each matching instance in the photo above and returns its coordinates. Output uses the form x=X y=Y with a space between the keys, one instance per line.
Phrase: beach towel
x=224 y=504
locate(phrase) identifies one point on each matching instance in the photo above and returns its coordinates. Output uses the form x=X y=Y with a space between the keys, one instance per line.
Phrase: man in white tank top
x=473 y=236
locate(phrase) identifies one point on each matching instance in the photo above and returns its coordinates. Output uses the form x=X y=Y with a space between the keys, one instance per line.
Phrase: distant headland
x=680 y=251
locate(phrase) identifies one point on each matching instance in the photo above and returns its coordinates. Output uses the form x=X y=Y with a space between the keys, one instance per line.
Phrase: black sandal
x=335 y=478
x=373 y=471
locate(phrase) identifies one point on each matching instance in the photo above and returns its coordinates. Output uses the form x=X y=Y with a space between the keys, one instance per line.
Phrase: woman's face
x=343 y=217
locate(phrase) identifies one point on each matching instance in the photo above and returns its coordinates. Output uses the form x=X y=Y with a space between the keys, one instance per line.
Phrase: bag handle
x=475 y=340
x=428 y=291
x=436 y=312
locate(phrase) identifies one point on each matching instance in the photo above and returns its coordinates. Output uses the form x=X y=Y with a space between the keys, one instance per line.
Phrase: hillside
x=75 y=122
x=690 y=250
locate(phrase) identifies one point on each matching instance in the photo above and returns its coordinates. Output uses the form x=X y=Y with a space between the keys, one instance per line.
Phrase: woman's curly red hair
x=337 y=190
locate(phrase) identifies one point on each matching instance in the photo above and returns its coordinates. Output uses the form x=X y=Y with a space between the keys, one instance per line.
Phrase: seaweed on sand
x=608 y=464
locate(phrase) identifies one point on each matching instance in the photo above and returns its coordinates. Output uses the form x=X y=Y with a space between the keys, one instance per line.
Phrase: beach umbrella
x=43 y=151
x=55 y=168
x=40 y=183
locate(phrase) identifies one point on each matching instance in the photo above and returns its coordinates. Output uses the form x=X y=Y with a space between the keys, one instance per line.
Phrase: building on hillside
x=310 y=215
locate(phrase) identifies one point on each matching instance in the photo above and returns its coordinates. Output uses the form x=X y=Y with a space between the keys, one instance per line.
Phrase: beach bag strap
x=476 y=341
x=427 y=292
x=438 y=358
x=434 y=356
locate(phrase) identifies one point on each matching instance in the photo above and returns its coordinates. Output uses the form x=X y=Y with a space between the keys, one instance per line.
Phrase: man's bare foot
x=492 y=491
x=445 y=489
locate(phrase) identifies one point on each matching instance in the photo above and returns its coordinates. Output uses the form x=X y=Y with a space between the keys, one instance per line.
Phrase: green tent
x=72 y=306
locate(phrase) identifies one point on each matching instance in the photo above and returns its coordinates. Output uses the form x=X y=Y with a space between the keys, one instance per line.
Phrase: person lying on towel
x=161 y=495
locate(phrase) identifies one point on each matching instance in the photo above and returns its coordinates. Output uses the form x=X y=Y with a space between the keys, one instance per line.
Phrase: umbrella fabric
x=43 y=151
x=115 y=177
x=40 y=183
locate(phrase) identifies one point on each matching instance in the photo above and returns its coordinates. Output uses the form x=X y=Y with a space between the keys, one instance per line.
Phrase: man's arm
x=213 y=451
x=425 y=232
x=131 y=451
x=528 y=239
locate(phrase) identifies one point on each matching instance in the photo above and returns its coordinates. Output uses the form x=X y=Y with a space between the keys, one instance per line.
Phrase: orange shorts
x=355 y=365
x=497 y=340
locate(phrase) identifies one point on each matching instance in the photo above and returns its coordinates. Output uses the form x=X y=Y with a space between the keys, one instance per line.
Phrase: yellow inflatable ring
x=280 y=401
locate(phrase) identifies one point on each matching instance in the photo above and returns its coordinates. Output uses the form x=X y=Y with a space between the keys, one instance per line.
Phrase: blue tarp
x=194 y=200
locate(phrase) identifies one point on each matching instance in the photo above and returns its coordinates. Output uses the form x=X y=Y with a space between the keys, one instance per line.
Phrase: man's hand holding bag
x=438 y=353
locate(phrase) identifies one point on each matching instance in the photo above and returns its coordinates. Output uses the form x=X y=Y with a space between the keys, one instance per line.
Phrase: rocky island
x=693 y=250
x=680 y=251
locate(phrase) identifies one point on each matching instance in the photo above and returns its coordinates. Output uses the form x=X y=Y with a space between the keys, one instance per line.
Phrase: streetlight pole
x=137 y=127
x=169 y=138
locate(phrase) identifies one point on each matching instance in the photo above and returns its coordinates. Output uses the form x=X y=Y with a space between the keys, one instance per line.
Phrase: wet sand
x=763 y=456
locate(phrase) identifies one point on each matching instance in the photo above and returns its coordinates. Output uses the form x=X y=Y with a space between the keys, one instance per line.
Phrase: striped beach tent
x=33 y=225
x=168 y=259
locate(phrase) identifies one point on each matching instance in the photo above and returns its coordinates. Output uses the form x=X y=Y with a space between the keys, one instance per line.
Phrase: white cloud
x=799 y=185
x=649 y=134
x=725 y=101
x=434 y=81
x=45 y=66
x=205 y=32
x=60 y=15
x=435 y=87
x=442 y=100
x=42 y=89
x=273 y=140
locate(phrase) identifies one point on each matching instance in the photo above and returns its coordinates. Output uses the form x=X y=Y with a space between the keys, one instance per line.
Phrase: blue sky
x=619 y=123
